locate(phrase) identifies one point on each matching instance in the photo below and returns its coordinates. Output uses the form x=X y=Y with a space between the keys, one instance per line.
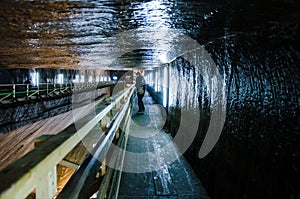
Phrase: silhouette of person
x=141 y=88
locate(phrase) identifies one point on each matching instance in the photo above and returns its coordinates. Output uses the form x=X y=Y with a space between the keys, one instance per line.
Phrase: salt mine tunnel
x=221 y=97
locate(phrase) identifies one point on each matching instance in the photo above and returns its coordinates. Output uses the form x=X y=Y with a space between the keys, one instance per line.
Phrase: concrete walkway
x=153 y=167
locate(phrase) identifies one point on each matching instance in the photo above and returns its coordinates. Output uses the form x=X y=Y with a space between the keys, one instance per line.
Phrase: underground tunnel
x=222 y=85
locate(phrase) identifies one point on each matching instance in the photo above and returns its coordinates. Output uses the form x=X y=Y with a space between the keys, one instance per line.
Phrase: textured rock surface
x=255 y=44
x=17 y=115
x=257 y=155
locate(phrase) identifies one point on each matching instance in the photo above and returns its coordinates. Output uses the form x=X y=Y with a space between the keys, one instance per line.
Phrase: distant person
x=141 y=88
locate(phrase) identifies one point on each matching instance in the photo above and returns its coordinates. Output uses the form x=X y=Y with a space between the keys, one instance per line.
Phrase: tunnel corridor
x=222 y=84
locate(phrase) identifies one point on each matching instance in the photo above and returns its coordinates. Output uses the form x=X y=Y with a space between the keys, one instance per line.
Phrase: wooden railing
x=37 y=169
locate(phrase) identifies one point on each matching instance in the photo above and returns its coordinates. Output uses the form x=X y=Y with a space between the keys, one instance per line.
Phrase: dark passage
x=148 y=172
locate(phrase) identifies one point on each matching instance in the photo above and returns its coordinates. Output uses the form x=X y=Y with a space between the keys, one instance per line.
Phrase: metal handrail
x=113 y=176
x=37 y=169
x=26 y=90
x=75 y=185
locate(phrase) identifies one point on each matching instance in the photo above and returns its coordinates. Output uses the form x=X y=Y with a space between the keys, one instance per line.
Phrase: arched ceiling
x=123 y=34
x=95 y=34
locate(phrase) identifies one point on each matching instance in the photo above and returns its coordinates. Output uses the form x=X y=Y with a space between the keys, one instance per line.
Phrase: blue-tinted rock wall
x=257 y=154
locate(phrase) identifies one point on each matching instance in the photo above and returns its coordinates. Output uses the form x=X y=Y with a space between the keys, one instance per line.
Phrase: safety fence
x=36 y=171
x=17 y=92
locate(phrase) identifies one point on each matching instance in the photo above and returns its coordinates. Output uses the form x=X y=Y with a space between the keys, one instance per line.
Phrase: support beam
x=69 y=164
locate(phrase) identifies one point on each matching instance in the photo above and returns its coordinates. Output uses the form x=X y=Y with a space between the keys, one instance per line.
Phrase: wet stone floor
x=153 y=167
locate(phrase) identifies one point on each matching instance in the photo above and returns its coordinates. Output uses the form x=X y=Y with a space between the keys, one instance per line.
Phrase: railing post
x=46 y=188
x=104 y=122
x=118 y=105
x=14 y=91
x=47 y=184
x=103 y=167
x=117 y=134
x=27 y=90
x=47 y=89
x=123 y=100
